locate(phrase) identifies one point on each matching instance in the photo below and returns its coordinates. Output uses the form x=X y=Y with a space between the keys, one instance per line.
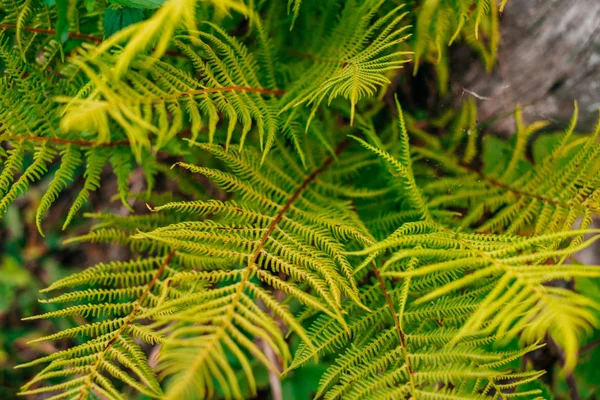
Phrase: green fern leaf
x=96 y=158
x=64 y=175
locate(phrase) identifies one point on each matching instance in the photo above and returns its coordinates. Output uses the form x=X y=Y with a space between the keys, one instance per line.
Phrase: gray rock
x=548 y=57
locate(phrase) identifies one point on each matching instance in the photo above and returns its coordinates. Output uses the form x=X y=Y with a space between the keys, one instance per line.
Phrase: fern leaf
x=207 y=304
x=298 y=248
x=111 y=351
x=516 y=191
x=96 y=158
x=363 y=68
x=123 y=167
x=42 y=157
x=64 y=175
x=12 y=165
x=516 y=301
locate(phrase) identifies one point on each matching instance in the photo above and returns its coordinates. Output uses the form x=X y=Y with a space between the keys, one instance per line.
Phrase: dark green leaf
x=545 y=144
x=89 y=5
x=141 y=4
x=495 y=151
x=62 y=26
x=116 y=19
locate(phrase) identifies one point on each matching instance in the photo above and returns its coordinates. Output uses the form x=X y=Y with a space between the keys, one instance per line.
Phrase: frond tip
x=366 y=56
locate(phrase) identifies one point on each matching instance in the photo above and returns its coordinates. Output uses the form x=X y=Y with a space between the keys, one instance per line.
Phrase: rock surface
x=548 y=57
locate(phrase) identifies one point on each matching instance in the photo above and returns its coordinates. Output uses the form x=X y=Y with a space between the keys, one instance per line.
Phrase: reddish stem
x=72 y=35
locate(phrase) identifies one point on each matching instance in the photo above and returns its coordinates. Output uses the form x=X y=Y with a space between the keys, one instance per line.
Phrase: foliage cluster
x=313 y=222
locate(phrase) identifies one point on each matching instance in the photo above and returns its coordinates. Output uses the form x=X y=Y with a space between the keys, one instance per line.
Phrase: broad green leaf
x=62 y=26
x=12 y=277
x=89 y=5
x=495 y=151
x=140 y=4
x=116 y=19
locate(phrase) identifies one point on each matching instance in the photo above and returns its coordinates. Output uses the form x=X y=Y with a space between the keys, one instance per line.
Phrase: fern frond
x=110 y=350
x=209 y=303
x=301 y=248
x=142 y=102
x=360 y=68
x=512 y=271
x=96 y=158
x=549 y=196
x=42 y=157
x=70 y=159
x=28 y=18
x=439 y=23
x=30 y=126
x=379 y=360
x=277 y=230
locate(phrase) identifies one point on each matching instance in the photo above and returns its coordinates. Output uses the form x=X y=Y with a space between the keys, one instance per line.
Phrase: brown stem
x=252 y=262
x=401 y=333
x=223 y=89
x=569 y=378
x=519 y=192
x=66 y=141
x=127 y=322
x=72 y=35
x=275 y=384
x=293 y=198
x=589 y=346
